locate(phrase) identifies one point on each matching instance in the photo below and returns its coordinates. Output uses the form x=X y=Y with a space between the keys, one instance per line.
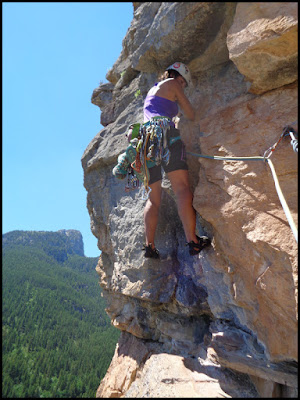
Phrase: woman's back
x=172 y=89
x=158 y=104
x=164 y=89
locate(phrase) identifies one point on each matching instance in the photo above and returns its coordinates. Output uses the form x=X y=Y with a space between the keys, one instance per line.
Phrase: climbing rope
x=258 y=158
x=282 y=201
x=288 y=130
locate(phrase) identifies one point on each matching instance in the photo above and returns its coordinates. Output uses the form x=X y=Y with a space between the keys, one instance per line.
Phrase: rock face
x=224 y=323
x=263 y=44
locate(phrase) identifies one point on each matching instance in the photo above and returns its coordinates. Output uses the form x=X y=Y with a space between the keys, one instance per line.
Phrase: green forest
x=57 y=340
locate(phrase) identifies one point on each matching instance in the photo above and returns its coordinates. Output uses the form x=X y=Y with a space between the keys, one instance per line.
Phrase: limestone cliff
x=224 y=323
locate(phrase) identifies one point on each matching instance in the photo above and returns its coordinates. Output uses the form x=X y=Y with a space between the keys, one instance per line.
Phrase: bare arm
x=183 y=102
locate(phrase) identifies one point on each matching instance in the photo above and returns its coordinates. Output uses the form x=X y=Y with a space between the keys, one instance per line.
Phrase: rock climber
x=163 y=100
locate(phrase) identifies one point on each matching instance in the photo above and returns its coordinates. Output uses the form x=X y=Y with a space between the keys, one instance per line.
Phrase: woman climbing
x=162 y=100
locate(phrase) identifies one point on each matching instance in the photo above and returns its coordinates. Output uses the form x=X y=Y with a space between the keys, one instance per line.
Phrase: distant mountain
x=56 y=244
x=57 y=340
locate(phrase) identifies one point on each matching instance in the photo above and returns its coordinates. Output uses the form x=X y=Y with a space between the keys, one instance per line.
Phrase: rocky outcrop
x=263 y=44
x=223 y=324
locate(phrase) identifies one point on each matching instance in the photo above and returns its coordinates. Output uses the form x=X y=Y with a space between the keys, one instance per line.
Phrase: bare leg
x=151 y=212
x=180 y=184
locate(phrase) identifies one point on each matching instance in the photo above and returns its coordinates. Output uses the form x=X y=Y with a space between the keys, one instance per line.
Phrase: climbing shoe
x=195 y=248
x=150 y=253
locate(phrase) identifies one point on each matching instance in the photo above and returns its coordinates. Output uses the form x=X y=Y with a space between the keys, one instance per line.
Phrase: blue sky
x=53 y=56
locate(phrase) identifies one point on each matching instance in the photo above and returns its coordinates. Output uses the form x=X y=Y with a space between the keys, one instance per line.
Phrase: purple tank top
x=155 y=106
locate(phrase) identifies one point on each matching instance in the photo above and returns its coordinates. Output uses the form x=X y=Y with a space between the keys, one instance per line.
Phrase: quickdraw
x=132 y=180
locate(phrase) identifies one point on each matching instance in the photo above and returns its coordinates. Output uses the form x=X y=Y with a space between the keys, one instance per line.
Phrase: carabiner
x=146 y=193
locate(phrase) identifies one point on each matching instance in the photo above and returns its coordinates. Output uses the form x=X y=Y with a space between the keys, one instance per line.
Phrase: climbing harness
x=153 y=147
x=149 y=146
x=288 y=130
